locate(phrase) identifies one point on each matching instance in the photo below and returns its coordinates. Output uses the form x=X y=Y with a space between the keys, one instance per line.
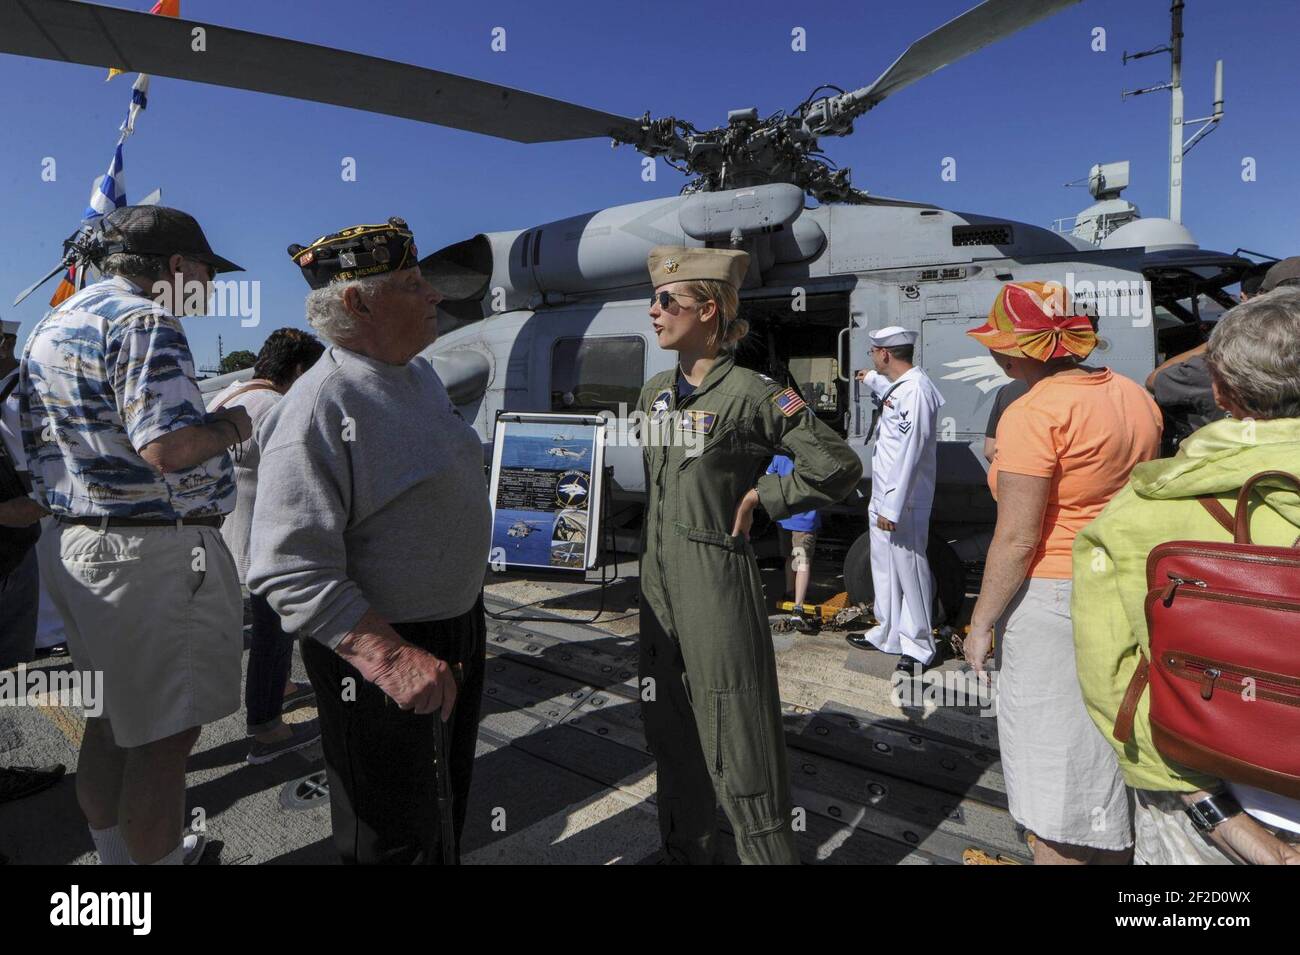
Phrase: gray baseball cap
x=1284 y=271
x=158 y=230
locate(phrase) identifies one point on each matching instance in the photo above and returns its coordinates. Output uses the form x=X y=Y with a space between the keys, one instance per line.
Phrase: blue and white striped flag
x=139 y=101
x=109 y=191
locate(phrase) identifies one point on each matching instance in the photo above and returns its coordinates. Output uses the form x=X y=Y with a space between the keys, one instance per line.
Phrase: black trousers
x=380 y=759
x=270 y=659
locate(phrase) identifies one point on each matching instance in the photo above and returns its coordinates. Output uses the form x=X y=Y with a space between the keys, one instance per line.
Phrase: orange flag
x=163 y=8
x=65 y=290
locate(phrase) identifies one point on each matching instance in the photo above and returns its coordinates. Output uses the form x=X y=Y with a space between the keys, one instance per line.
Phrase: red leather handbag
x=1224 y=625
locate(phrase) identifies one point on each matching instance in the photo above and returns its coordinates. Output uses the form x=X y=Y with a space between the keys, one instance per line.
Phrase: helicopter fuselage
x=567 y=326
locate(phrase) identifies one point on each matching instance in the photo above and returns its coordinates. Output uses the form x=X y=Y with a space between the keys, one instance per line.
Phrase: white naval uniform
x=902 y=490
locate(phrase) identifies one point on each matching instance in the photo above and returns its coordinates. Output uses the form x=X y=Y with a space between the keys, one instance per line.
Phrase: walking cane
x=442 y=774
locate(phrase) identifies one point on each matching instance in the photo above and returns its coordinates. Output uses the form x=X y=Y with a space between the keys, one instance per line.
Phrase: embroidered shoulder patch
x=789 y=402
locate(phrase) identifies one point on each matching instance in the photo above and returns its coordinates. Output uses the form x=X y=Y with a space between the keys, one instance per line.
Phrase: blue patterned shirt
x=103 y=375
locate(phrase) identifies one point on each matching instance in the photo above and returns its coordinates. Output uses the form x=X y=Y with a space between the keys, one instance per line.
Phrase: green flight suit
x=714 y=722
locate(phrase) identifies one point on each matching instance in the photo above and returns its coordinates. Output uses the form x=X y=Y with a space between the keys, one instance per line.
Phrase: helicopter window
x=589 y=375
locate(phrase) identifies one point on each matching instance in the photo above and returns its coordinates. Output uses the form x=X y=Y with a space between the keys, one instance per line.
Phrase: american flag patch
x=789 y=402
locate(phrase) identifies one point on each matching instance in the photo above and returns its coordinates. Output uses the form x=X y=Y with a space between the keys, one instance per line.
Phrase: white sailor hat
x=8 y=328
x=891 y=336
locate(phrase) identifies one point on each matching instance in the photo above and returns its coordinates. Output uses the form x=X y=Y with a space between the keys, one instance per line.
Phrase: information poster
x=546 y=491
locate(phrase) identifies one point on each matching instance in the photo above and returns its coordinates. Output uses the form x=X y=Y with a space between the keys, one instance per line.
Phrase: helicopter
x=523 y=528
x=551 y=317
x=566 y=452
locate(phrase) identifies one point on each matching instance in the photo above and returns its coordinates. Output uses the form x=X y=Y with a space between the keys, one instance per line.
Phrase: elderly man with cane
x=370 y=540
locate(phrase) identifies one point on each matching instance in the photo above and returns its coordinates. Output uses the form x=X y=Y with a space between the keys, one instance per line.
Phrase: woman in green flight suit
x=709 y=692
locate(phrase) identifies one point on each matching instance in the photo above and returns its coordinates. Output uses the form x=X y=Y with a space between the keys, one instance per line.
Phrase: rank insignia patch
x=698 y=422
x=789 y=402
x=660 y=405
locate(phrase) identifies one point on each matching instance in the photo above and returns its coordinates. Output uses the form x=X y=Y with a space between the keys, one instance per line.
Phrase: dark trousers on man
x=20 y=597
x=270 y=659
x=380 y=759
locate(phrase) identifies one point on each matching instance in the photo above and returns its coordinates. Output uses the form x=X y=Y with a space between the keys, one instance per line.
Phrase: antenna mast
x=1178 y=148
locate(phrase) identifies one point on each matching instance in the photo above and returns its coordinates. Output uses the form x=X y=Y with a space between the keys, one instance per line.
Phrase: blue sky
x=1020 y=117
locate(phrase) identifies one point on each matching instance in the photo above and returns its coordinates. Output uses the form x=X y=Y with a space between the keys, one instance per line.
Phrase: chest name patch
x=697 y=422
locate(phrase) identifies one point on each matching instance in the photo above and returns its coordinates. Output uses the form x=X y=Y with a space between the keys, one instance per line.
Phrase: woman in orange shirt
x=1063 y=450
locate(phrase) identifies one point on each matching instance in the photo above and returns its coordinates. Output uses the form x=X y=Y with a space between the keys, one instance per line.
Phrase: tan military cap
x=673 y=263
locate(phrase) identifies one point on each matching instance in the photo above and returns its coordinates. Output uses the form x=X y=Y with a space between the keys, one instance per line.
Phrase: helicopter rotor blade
x=973 y=30
x=97 y=35
x=62 y=266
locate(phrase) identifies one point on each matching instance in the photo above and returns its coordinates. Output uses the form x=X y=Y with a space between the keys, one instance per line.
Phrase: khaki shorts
x=803 y=543
x=155 y=613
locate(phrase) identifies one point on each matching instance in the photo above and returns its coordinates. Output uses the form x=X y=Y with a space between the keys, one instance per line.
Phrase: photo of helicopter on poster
x=545 y=503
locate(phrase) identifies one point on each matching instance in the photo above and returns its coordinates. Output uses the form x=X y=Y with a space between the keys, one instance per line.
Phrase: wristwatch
x=1208 y=813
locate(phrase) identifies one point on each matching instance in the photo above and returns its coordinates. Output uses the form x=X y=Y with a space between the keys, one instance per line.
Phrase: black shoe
x=19 y=781
x=302 y=693
x=911 y=665
x=860 y=641
x=301 y=735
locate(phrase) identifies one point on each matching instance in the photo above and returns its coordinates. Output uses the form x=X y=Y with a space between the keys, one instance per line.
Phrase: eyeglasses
x=663 y=298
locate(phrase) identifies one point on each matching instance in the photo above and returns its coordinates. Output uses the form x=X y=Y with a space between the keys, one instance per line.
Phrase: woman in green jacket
x=1254 y=359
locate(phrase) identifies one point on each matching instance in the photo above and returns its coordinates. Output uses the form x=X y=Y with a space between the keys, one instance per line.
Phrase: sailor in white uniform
x=902 y=492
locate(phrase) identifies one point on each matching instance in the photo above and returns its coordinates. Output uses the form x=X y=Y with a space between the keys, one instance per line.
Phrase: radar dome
x=1154 y=235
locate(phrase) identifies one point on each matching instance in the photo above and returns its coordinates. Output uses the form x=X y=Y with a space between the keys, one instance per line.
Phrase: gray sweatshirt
x=370 y=493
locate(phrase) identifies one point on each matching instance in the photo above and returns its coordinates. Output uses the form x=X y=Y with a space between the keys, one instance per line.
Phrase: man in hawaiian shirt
x=137 y=478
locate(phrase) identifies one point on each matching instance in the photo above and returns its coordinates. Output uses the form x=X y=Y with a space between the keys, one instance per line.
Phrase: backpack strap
x=1219 y=513
x=1241 y=523
x=1123 y=730
x=257 y=384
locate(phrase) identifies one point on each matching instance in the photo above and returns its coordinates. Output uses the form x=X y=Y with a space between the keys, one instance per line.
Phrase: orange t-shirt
x=1085 y=432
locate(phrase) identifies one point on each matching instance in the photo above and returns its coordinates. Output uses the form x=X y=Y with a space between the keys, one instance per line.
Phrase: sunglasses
x=210 y=269
x=663 y=298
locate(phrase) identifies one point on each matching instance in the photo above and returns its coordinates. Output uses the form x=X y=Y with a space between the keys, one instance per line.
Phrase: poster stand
x=550 y=513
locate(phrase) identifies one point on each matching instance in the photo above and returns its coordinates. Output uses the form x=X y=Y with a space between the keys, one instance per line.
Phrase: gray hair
x=151 y=268
x=327 y=314
x=1254 y=354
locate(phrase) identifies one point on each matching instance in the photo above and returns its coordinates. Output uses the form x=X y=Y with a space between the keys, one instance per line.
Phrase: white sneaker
x=193 y=845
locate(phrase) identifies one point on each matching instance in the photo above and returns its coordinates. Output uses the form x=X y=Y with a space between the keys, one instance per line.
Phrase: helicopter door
x=869 y=307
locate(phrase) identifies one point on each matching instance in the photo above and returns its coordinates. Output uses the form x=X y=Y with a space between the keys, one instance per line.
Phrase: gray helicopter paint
x=904 y=269
x=718 y=216
x=604 y=250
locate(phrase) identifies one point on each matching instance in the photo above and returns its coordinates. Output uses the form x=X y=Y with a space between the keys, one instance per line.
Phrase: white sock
x=175 y=857
x=111 y=846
